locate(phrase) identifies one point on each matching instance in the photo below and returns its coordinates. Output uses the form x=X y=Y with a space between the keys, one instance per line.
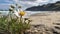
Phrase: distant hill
x=48 y=7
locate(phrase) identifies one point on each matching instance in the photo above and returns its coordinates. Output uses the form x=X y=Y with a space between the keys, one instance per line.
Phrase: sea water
x=27 y=15
x=29 y=12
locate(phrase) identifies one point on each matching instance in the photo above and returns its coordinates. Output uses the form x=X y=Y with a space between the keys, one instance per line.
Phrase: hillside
x=48 y=7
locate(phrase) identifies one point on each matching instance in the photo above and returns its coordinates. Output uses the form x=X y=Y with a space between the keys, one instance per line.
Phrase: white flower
x=27 y=14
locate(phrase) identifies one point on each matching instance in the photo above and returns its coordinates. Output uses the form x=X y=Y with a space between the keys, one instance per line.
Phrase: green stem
x=21 y=32
x=21 y=19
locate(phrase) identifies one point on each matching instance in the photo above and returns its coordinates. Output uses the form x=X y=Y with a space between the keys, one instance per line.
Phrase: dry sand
x=47 y=18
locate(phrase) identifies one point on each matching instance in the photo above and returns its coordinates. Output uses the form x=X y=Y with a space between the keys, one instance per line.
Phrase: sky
x=4 y=4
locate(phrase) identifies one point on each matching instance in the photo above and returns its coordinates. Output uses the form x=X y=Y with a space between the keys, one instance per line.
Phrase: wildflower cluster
x=11 y=25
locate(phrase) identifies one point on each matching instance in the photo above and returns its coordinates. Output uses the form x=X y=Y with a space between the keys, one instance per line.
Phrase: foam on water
x=34 y=12
x=27 y=15
x=29 y=12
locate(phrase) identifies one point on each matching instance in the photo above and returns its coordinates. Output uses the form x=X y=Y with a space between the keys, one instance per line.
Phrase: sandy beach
x=47 y=18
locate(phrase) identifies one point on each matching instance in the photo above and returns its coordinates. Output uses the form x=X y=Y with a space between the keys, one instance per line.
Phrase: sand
x=47 y=18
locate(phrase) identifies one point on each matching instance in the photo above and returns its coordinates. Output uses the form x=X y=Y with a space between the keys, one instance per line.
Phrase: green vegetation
x=11 y=25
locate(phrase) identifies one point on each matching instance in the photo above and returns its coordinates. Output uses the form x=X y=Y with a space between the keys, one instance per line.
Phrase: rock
x=36 y=31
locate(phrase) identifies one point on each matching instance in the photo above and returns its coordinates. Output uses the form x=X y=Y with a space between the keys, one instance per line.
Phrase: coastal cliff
x=47 y=7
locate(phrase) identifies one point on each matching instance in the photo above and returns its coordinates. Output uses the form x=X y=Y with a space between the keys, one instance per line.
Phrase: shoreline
x=47 y=19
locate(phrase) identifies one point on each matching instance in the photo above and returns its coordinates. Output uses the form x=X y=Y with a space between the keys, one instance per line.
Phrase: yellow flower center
x=22 y=13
